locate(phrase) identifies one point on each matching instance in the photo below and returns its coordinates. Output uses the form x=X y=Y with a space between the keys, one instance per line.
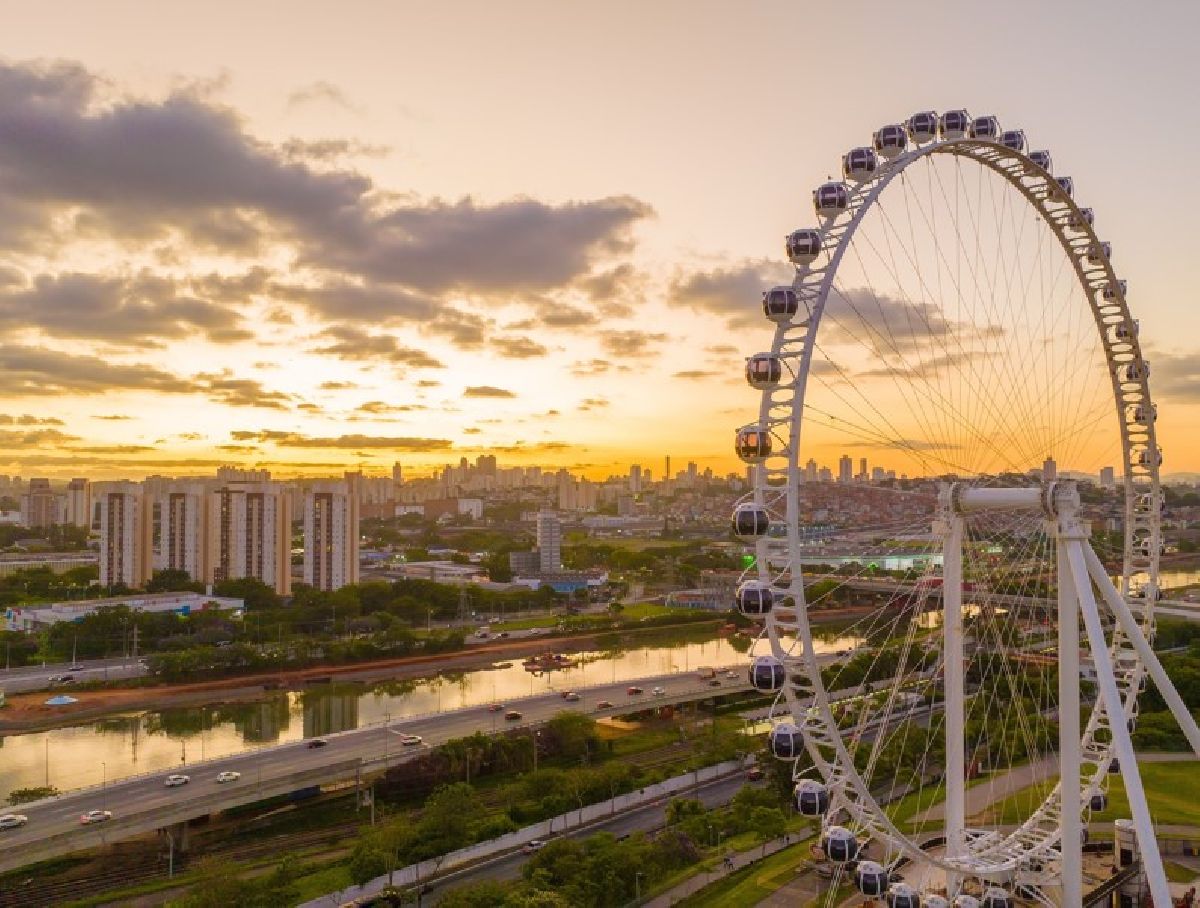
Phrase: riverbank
x=28 y=712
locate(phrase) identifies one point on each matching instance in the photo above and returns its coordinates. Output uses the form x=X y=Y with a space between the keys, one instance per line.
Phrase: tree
x=172 y=580
x=256 y=594
x=768 y=823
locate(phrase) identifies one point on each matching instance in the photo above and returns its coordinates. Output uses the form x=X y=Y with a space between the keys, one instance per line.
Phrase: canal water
x=120 y=746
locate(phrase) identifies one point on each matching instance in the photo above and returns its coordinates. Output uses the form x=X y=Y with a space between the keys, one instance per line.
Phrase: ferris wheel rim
x=1029 y=179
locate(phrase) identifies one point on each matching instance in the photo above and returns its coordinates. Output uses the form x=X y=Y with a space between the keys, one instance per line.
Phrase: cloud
x=1175 y=376
x=34 y=371
x=593 y=403
x=241 y=392
x=518 y=347
x=894 y=327
x=321 y=93
x=112 y=417
x=487 y=391
x=379 y=406
x=137 y=311
x=331 y=150
x=7 y=419
x=350 y=343
x=696 y=374
x=338 y=386
x=630 y=342
x=299 y=440
x=591 y=367
x=35 y=438
x=733 y=293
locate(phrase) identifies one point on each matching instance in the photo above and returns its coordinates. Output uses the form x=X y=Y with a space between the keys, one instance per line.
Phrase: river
x=167 y=740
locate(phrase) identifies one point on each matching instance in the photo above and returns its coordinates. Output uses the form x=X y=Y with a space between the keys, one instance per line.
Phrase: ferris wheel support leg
x=1122 y=743
x=1144 y=650
x=1070 y=825
x=952 y=627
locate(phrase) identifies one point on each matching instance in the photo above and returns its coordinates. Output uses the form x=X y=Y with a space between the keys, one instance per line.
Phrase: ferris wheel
x=954 y=457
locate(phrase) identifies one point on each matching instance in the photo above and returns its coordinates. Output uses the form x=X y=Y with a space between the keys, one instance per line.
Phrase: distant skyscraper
x=183 y=530
x=1108 y=479
x=125 y=535
x=549 y=542
x=250 y=534
x=845 y=469
x=825 y=474
x=39 y=505
x=331 y=535
x=862 y=469
x=1049 y=470
x=667 y=471
x=397 y=477
x=635 y=478
x=79 y=503
x=810 y=471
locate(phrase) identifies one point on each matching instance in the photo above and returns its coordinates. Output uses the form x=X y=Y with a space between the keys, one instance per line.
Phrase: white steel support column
x=1070 y=825
x=1144 y=650
x=952 y=627
x=1110 y=696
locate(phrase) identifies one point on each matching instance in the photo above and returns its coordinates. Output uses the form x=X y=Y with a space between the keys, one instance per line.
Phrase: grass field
x=1172 y=789
x=752 y=884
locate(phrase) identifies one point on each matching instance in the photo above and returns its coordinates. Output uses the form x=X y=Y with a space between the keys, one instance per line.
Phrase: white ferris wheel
x=956 y=340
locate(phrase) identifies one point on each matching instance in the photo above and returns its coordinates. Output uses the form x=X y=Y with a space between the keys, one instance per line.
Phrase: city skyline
x=297 y=261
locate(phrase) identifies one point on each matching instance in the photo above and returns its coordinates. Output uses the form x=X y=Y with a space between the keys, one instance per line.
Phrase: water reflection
x=165 y=740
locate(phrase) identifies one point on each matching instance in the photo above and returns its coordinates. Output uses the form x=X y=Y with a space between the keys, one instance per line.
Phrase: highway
x=142 y=804
x=37 y=677
x=640 y=819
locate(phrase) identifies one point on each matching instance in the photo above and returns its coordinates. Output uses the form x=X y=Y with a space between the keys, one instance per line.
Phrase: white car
x=532 y=846
x=660 y=691
x=228 y=776
x=13 y=820
x=175 y=780
x=95 y=816
x=409 y=740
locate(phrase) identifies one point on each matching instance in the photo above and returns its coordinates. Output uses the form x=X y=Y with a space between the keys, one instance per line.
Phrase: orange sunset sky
x=311 y=236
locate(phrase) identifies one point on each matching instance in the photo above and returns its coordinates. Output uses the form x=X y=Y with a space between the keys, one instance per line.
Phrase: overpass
x=142 y=804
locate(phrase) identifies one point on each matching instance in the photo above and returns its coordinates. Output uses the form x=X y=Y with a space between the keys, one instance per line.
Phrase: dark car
x=634 y=691
x=512 y=715
x=317 y=742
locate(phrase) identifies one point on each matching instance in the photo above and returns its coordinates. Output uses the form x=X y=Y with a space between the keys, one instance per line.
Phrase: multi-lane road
x=39 y=677
x=142 y=804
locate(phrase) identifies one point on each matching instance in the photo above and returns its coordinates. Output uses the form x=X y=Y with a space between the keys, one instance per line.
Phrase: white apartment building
x=183 y=530
x=125 y=535
x=79 y=503
x=250 y=534
x=331 y=535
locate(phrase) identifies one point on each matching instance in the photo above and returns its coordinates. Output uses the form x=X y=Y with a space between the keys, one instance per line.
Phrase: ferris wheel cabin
x=780 y=304
x=922 y=127
x=859 y=164
x=754 y=598
x=763 y=370
x=1066 y=186
x=1043 y=160
x=767 y=674
x=984 y=128
x=995 y=897
x=831 y=199
x=871 y=879
x=803 y=246
x=812 y=798
x=953 y=124
x=750 y=520
x=890 y=140
x=839 y=845
x=1013 y=139
x=903 y=896
x=786 y=741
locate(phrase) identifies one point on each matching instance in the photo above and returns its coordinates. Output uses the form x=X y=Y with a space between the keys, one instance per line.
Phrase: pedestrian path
x=733 y=862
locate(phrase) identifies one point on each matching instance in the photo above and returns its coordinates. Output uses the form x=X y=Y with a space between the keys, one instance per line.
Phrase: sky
x=314 y=236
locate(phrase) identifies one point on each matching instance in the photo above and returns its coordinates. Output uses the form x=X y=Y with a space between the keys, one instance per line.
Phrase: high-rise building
x=810 y=471
x=79 y=503
x=397 y=479
x=549 y=542
x=1108 y=478
x=845 y=469
x=125 y=535
x=250 y=534
x=331 y=535
x=1049 y=470
x=635 y=478
x=862 y=469
x=667 y=472
x=39 y=505
x=238 y=474
x=183 y=530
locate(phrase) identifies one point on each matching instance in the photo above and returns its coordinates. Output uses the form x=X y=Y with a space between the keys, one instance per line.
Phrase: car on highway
x=571 y=697
x=533 y=846
x=75 y=668
x=604 y=704
x=732 y=675
x=13 y=820
x=634 y=691
x=495 y=707
x=316 y=742
x=755 y=775
x=176 y=779
x=659 y=691
x=61 y=679
x=512 y=716
x=409 y=740
x=95 y=816
x=228 y=776
x=715 y=682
